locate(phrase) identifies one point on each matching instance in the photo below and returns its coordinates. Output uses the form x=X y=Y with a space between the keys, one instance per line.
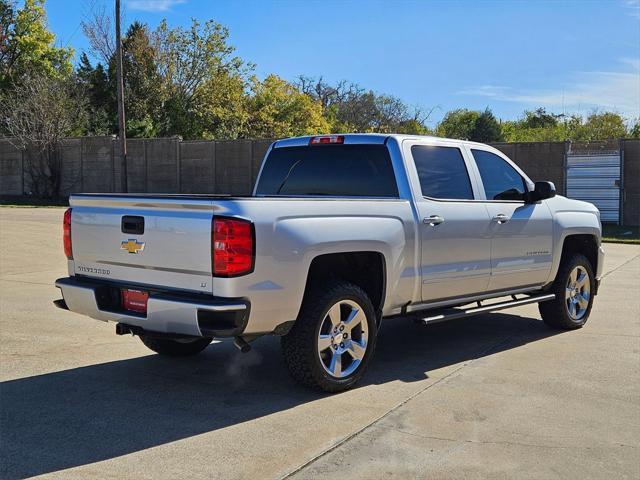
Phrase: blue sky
x=509 y=56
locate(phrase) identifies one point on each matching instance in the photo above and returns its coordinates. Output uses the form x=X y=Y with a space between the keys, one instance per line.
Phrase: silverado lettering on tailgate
x=98 y=271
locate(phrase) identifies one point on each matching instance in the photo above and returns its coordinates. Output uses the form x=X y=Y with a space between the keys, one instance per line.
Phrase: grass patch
x=620 y=234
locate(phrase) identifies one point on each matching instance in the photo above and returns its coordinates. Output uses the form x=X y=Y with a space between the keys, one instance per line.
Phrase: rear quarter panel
x=291 y=232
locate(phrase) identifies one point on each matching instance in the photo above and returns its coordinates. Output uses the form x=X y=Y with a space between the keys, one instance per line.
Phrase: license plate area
x=134 y=300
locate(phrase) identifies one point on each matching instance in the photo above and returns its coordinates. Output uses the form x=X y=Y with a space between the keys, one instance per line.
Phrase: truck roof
x=367 y=138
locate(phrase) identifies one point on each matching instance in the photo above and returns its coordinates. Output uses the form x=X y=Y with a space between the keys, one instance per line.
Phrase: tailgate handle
x=133 y=224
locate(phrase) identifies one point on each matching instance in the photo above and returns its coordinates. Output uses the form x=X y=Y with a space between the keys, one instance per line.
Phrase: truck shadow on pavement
x=84 y=415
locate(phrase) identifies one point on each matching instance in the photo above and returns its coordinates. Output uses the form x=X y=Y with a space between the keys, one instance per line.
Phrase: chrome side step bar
x=461 y=313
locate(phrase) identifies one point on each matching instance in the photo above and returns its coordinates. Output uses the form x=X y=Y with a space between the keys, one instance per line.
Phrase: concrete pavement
x=497 y=395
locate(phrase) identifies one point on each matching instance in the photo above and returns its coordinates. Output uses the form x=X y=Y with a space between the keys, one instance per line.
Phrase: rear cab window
x=442 y=172
x=329 y=170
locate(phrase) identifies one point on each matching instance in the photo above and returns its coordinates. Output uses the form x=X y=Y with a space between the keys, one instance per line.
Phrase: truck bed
x=187 y=196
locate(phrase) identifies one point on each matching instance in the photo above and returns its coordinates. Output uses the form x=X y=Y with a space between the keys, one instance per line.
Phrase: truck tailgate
x=164 y=241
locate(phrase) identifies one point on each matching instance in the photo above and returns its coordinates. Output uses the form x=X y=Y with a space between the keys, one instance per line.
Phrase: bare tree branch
x=98 y=28
x=37 y=115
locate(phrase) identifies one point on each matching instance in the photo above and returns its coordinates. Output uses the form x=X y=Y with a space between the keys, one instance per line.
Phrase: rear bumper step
x=60 y=303
x=451 y=314
x=124 y=329
x=174 y=313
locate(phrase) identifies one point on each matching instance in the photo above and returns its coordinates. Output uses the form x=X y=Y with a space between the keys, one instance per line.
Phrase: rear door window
x=442 y=172
x=331 y=170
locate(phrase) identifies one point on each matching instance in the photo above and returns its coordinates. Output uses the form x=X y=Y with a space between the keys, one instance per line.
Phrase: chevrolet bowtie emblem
x=132 y=246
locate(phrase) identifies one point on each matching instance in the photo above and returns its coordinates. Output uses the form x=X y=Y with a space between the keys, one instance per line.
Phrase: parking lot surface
x=497 y=395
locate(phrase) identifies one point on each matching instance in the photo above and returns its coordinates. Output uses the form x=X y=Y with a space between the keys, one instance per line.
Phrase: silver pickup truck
x=341 y=233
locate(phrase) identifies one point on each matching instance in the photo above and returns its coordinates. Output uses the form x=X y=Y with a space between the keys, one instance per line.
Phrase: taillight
x=327 y=140
x=232 y=248
x=66 y=234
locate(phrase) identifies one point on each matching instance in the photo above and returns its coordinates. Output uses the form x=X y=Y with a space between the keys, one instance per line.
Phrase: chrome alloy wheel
x=577 y=293
x=342 y=339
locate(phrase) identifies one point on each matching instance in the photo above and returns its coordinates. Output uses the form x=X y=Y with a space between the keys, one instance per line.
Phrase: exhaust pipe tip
x=122 y=329
x=242 y=345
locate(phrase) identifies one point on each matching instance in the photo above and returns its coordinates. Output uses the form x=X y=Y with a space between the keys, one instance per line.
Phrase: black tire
x=175 y=348
x=555 y=313
x=300 y=345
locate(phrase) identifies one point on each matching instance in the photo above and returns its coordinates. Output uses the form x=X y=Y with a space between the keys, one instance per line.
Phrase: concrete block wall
x=197 y=167
x=11 y=169
x=136 y=166
x=96 y=164
x=233 y=162
x=169 y=165
x=162 y=166
x=72 y=168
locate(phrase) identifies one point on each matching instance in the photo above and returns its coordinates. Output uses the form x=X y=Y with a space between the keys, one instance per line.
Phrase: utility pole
x=121 y=122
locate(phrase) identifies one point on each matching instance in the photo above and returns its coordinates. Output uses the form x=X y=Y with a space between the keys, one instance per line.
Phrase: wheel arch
x=367 y=269
x=586 y=244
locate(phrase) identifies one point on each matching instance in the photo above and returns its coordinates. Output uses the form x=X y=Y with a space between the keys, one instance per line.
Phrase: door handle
x=132 y=224
x=433 y=220
x=501 y=218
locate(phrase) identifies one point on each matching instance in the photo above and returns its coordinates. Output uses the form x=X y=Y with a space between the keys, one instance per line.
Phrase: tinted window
x=335 y=170
x=501 y=181
x=442 y=172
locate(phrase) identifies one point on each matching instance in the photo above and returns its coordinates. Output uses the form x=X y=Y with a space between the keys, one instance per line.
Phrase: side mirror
x=542 y=191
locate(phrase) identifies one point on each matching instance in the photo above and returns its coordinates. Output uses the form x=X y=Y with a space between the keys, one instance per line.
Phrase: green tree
x=177 y=81
x=278 y=109
x=350 y=108
x=602 y=126
x=222 y=108
x=470 y=125
x=27 y=46
x=190 y=63
x=459 y=123
x=487 y=128
x=540 y=126
x=94 y=82
x=413 y=126
x=142 y=82
x=390 y=112
x=539 y=118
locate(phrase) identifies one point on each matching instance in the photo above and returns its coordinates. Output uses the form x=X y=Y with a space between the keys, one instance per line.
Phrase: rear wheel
x=333 y=339
x=574 y=287
x=177 y=347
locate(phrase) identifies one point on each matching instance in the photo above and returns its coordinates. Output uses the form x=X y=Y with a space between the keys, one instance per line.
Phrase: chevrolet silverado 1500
x=341 y=233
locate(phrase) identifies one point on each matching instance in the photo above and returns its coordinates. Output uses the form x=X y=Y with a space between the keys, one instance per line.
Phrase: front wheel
x=177 y=347
x=333 y=339
x=574 y=287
